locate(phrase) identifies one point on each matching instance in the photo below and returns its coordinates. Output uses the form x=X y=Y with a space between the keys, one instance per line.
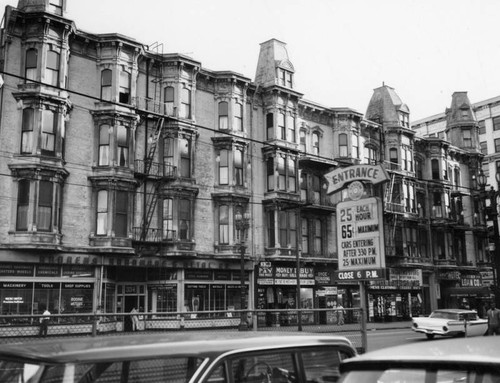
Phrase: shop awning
x=483 y=291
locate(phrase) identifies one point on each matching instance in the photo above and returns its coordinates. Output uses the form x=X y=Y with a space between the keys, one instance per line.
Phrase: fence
x=350 y=323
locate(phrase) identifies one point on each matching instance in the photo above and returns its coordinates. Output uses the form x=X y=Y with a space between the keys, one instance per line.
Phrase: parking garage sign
x=360 y=235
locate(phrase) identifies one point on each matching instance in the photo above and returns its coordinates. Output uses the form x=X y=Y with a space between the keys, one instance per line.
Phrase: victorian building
x=135 y=177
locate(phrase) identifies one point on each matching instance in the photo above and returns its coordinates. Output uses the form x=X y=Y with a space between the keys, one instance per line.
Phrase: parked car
x=238 y=357
x=450 y=322
x=471 y=360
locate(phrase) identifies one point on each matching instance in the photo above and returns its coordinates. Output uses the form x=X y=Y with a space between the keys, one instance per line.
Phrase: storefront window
x=16 y=298
x=165 y=299
x=109 y=298
x=76 y=298
x=46 y=297
x=196 y=297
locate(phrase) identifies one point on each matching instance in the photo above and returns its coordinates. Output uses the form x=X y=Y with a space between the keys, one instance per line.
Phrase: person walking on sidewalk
x=44 y=323
x=493 y=315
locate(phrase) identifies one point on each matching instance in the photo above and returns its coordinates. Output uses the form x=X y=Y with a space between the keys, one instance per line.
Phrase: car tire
x=429 y=336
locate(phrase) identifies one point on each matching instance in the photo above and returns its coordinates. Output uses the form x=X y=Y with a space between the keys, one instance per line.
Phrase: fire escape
x=150 y=172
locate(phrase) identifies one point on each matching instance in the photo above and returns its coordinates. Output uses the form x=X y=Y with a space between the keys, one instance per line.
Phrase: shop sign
x=487 y=277
x=360 y=275
x=76 y=302
x=411 y=276
x=470 y=281
x=265 y=281
x=339 y=177
x=48 y=271
x=86 y=286
x=327 y=290
x=16 y=285
x=193 y=287
x=203 y=275
x=449 y=275
x=78 y=271
x=162 y=287
x=12 y=300
x=10 y=269
x=222 y=275
x=360 y=235
x=47 y=285
x=265 y=270
x=323 y=277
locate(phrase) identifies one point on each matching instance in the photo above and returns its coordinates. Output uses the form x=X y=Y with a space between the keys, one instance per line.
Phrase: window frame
x=31 y=65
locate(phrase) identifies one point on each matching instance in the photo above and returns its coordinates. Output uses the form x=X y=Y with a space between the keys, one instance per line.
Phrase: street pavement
x=372 y=326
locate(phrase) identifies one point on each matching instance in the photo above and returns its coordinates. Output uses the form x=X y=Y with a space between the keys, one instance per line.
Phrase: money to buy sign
x=360 y=234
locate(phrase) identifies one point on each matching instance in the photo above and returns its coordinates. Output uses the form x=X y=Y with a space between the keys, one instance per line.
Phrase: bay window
x=224 y=167
x=52 y=68
x=343 y=145
x=106 y=84
x=168 y=100
x=238 y=117
x=112 y=212
x=223 y=115
x=49 y=124
x=185 y=103
x=224 y=224
x=30 y=67
x=122 y=139
x=104 y=131
x=168 y=219
x=27 y=131
x=23 y=195
x=124 y=88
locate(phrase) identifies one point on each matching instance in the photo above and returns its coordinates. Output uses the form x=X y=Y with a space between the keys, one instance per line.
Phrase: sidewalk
x=372 y=326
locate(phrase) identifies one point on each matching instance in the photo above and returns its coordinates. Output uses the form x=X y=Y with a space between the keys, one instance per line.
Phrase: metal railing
x=348 y=322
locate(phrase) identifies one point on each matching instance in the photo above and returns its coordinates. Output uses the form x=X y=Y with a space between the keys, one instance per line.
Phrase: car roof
x=116 y=347
x=457 y=351
x=454 y=311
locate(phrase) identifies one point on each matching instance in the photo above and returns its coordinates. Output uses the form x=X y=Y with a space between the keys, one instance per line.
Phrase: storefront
x=465 y=290
x=277 y=290
x=398 y=298
x=27 y=289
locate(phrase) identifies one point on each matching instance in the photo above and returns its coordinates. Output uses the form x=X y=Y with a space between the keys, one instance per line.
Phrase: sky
x=341 y=49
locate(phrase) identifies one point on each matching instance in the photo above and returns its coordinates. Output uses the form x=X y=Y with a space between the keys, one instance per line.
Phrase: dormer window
x=404 y=119
x=285 y=78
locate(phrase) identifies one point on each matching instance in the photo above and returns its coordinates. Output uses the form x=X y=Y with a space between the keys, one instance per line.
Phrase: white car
x=450 y=322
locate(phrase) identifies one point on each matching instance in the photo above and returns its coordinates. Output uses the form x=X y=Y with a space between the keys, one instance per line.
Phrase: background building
x=135 y=177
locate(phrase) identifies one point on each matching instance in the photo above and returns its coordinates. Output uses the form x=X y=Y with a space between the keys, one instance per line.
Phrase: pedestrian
x=340 y=314
x=493 y=315
x=135 y=319
x=44 y=323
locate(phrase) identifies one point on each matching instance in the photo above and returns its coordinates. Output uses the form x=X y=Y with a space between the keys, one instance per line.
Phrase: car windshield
x=419 y=375
x=179 y=369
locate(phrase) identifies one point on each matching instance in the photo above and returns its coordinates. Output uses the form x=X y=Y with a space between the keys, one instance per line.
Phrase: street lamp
x=242 y=223
x=491 y=197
